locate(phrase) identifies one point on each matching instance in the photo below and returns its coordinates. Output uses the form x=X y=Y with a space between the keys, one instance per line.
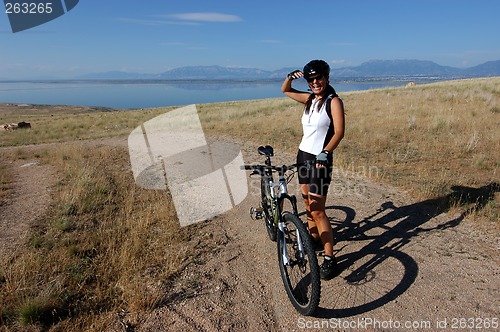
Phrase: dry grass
x=5 y=183
x=69 y=123
x=430 y=137
x=107 y=245
x=435 y=140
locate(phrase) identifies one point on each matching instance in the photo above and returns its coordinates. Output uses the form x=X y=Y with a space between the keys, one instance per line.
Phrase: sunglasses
x=311 y=79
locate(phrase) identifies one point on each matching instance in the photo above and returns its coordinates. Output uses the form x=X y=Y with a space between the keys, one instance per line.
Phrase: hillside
x=374 y=68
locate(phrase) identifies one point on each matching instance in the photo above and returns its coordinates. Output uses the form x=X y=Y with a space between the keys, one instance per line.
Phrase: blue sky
x=152 y=36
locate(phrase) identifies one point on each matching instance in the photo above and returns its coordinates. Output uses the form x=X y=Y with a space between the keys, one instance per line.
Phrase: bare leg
x=317 y=208
x=319 y=225
x=304 y=188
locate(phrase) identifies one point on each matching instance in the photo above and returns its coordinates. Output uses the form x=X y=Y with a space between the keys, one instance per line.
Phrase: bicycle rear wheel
x=298 y=265
x=265 y=191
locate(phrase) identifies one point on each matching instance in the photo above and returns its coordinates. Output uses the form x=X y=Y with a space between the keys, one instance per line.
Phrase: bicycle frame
x=282 y=193
x=277 y=200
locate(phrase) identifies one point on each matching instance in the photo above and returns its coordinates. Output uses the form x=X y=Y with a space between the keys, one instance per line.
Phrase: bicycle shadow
x=376 y=271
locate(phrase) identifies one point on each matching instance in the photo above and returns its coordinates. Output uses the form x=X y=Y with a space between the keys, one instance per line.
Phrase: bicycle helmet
x=315 y=67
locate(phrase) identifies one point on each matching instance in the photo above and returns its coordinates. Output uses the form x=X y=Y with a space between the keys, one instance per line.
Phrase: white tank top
x=317 y=127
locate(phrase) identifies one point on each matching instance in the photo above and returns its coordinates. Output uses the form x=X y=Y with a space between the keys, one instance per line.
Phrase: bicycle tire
x=267 y=208
x=301 y=275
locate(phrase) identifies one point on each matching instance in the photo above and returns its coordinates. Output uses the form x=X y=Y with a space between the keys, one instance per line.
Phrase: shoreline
x=140 y=94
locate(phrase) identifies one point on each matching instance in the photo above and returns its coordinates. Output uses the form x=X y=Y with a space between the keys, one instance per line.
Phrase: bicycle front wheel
x=298 y=265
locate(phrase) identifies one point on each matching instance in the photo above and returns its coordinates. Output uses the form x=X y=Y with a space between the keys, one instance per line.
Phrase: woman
x=323 y=129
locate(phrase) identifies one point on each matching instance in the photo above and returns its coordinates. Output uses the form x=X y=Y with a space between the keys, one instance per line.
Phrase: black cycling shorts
x=318 y=179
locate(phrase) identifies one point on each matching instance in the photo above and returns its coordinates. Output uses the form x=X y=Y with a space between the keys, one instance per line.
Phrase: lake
x=145 y=94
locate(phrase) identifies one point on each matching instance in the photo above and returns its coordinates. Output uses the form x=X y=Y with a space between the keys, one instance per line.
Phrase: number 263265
x=28 y=8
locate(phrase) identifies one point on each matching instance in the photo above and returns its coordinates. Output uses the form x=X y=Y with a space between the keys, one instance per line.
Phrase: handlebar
x=268 y=152
x=281 y=169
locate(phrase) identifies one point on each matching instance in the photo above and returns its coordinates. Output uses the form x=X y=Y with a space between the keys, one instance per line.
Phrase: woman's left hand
x=322 y=159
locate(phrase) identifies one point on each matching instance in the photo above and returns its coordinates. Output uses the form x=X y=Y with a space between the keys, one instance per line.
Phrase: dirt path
x=402 y=263
x=29 y=200
x=31 y=192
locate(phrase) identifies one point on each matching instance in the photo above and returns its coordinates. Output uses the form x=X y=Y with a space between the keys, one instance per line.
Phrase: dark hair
x=328 y=91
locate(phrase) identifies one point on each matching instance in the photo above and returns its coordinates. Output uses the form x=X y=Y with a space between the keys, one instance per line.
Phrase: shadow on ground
x=373 y=269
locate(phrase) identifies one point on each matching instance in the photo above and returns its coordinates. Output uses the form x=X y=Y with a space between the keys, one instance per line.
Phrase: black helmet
x=316 y=67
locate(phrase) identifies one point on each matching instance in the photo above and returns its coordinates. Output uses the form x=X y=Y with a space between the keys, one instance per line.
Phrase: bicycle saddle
x=266 y=150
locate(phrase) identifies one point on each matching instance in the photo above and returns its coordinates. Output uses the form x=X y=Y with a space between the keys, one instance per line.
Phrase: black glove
x=322 y=158
x=293 y=75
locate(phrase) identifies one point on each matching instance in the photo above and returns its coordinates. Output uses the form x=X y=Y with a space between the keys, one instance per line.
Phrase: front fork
x=282 y=229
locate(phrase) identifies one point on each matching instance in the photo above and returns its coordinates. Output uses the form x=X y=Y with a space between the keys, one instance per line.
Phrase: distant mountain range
x=370 y=69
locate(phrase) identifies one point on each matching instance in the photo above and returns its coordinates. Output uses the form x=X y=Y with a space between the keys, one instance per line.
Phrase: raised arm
x=292 y=93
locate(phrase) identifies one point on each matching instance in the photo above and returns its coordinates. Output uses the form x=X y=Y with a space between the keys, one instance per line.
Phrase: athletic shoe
x=328 y=269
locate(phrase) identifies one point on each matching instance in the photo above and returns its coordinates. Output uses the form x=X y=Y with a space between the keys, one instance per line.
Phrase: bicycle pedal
x=256 y=213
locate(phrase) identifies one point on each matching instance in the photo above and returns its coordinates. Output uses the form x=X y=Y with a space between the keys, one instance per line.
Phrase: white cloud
x=206 y=17
x=150 y=22
x=182 y=19
x=337 y=62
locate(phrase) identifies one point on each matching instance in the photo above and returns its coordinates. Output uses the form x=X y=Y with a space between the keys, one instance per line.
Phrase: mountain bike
x=296 y=256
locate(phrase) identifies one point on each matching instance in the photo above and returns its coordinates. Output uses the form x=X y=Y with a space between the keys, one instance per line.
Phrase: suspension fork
x=281 y=228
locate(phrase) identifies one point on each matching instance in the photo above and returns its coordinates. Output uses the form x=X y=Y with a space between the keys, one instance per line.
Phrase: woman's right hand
x=286 y=87
x=295 y=74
